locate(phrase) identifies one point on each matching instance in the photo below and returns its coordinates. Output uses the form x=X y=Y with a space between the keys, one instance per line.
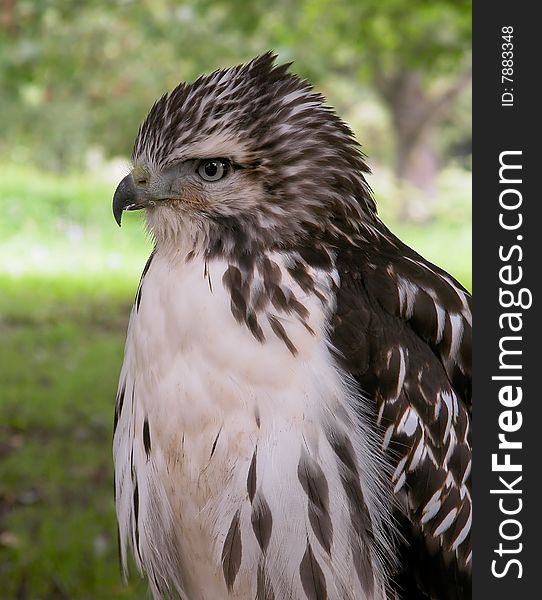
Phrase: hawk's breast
x=236 y=442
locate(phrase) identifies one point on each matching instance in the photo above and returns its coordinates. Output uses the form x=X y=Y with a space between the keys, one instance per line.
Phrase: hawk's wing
x=402 y=328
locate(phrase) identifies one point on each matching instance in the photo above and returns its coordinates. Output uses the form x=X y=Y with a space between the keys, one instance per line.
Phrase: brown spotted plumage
x=312 y=576
x=294 y=408
x=315 y=485
x=232 y=552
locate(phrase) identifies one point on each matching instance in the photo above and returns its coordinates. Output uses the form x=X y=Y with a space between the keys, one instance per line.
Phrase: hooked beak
x=126 y=197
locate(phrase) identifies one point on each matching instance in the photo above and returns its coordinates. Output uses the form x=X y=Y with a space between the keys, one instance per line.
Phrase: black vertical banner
x=507 y=236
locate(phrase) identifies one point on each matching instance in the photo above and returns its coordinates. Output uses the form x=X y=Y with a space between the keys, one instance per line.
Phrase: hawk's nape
x=293 y=411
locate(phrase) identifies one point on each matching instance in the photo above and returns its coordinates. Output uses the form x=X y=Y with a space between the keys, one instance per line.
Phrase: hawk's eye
x=213 y=169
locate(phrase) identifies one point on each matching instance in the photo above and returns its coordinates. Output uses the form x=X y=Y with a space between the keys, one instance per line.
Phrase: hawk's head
x=247 y=155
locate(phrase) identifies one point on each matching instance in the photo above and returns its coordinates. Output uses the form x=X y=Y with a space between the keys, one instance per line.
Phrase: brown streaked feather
x=315 y=485
x=118 y=405
x=312 y=576
x=262 y=521
x=135 y=513
x=280 y=332
x=239 y=291
x=264 y=589
x=251 y=478
x=146 y=437
x=232 y=551
x=145 y=271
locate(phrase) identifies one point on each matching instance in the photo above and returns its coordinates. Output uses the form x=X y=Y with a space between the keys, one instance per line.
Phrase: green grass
x=447 y=245
x=67 y=278
x=60 y=354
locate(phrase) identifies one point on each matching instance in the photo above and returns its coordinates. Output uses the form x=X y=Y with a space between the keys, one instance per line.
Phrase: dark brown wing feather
x=402 y=328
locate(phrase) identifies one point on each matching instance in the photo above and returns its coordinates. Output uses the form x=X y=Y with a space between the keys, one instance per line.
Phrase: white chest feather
x=242 y=469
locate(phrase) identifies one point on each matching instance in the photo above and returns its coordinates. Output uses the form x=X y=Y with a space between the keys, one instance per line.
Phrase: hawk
x=293 y=411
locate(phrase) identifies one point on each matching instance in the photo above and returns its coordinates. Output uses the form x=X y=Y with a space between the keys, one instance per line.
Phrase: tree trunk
x=415 y=113
x=416 y=164
x=7 y=15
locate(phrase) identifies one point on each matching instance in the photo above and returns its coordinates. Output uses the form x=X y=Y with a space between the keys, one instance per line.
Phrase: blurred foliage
x=366 y=38
x=79 y=74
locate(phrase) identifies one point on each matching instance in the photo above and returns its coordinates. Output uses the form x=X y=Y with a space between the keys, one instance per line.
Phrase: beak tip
x=117 y=214
x=124 y=196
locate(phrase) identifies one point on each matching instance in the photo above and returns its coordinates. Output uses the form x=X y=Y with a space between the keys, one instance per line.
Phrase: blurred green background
x=76 y=78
